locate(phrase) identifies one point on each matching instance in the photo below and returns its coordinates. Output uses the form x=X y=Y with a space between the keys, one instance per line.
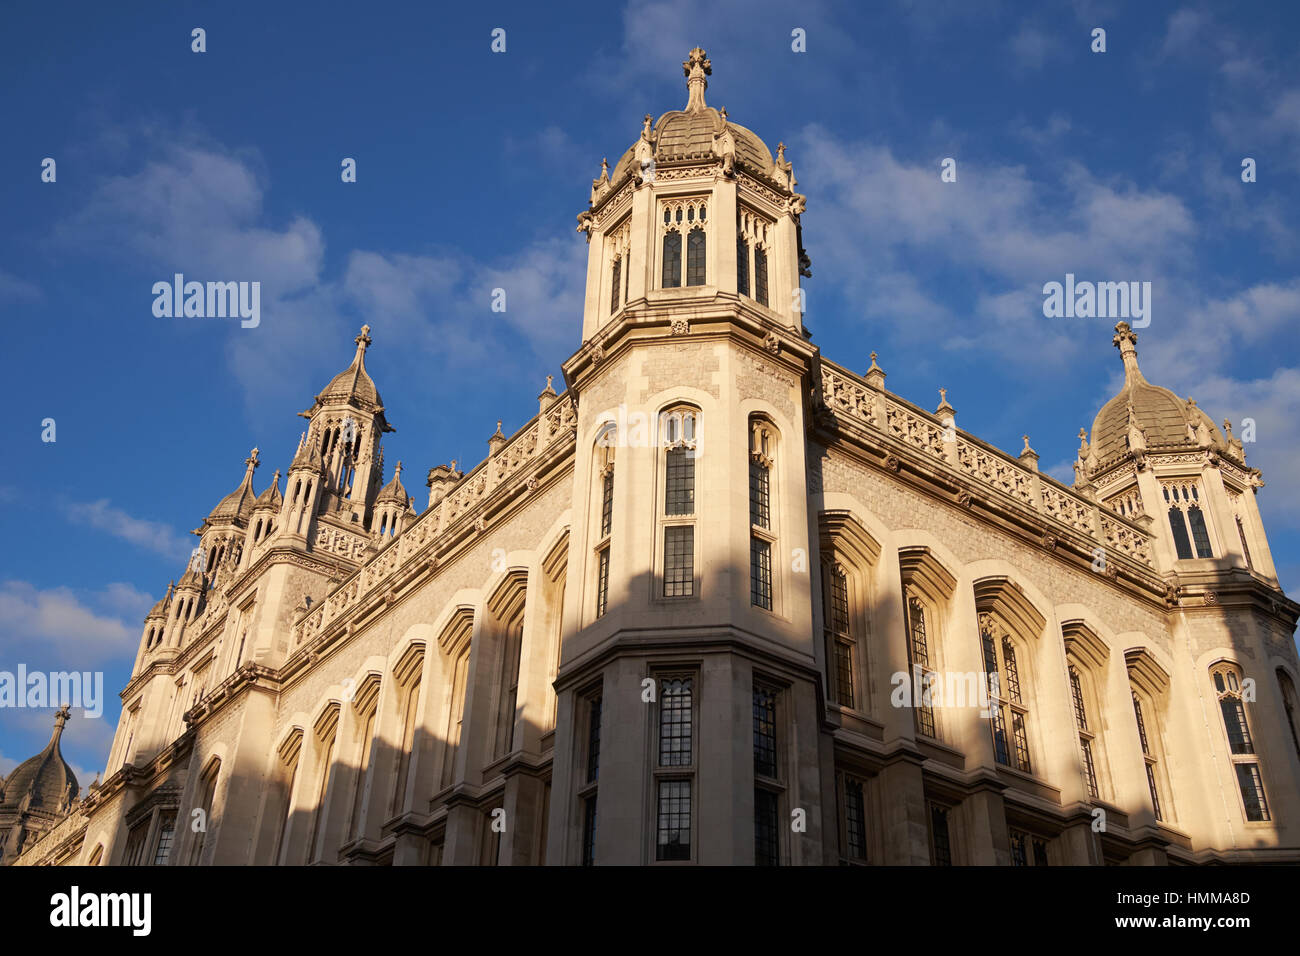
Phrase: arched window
x=366 y=710
x=604 y=480
x=672 y=260
x=760 y=275
x=762 y=541
x=684 y=217
x=742 y=265
x=1148 y=755
x=1241 y=748
x=1291 y=705
x=1008 y=713
x=508 y=691
x=678 y=430
x=840 y=643
x=455 y=715
x=326 y=739
x=616 y=285
x=1184 y=500
x=290 y=754
x=1085 y=734
x=206 y=795
x=918 y=657
x=409 y=719
x=695 y=257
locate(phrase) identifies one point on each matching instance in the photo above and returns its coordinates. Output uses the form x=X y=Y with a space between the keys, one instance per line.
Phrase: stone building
x=721 y=601
x=37 y=795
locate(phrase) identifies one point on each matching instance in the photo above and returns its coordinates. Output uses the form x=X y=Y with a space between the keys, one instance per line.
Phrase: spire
x=1126 y=341
x=696 y=67
x=252 y=462
x=363 y=343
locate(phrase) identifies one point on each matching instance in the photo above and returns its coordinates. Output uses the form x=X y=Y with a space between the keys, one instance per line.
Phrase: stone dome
x=394 y=490
x=271 y=497
x=684 y=136
x=1166 y=421
x=688 y=135
x=239 y=502
x=46 y=778
x=354 y=382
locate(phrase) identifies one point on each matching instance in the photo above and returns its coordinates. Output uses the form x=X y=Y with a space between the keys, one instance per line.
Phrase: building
x=721 y=601
x=37 y=796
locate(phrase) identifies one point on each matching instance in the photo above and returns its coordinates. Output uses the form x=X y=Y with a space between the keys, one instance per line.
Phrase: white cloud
x=152 y=535
x=63 y=628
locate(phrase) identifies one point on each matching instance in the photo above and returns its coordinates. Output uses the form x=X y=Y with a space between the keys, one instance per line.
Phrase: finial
x=1125 y=339
x=696 y=67
x=60 y=718
x=1227 y=429
x=1026 y=448
x=723 y=113
x=943 y=395
x=397 y=472
x=275 y=479
x=252 y=461
x=780 y=152
x=549 y=379
x=453 y=466
x=604 y=167
x=363 y=340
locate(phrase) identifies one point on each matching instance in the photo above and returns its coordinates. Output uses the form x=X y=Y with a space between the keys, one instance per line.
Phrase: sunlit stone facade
x=681 y=615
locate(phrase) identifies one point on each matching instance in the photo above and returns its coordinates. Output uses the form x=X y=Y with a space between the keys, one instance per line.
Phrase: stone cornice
x=889 y=433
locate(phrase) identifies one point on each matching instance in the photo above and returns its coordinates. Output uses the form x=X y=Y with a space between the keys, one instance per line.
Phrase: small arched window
x=742 y=265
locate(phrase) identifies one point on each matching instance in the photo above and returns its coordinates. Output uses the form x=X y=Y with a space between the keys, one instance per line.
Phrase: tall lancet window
x=672 y=259
x=695 y=257
x=616 y=286
x=1008 y=715
x=1241 y=748
x=742 y=265
x=760 y=275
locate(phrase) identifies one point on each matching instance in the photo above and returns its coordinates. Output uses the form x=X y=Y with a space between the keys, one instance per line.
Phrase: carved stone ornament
x=482 y=523
x=1211 y=598
x=597 y=354
x=1049 y=541
x=772 y=343
x=681 y=327
x=1112 y=572
x=531 y=483
x=1171 y=594
x=964 y=499
x=892 y=463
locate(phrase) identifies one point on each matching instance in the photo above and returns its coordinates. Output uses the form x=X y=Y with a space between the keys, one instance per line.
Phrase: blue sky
x=471 y=167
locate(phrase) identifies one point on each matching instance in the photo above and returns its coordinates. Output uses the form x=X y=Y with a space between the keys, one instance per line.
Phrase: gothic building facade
x=722 y=601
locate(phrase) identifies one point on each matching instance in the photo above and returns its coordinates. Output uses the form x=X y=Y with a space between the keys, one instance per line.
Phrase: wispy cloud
x=66 y=628
x=153 y=536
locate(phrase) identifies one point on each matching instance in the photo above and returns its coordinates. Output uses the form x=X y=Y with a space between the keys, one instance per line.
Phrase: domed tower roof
x=1166 y=421
x=353 y=386
x=688 y=135
x=46 y=778
x=271 y=497
x=239 y=502
x=160 y=609
x=394 y=491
